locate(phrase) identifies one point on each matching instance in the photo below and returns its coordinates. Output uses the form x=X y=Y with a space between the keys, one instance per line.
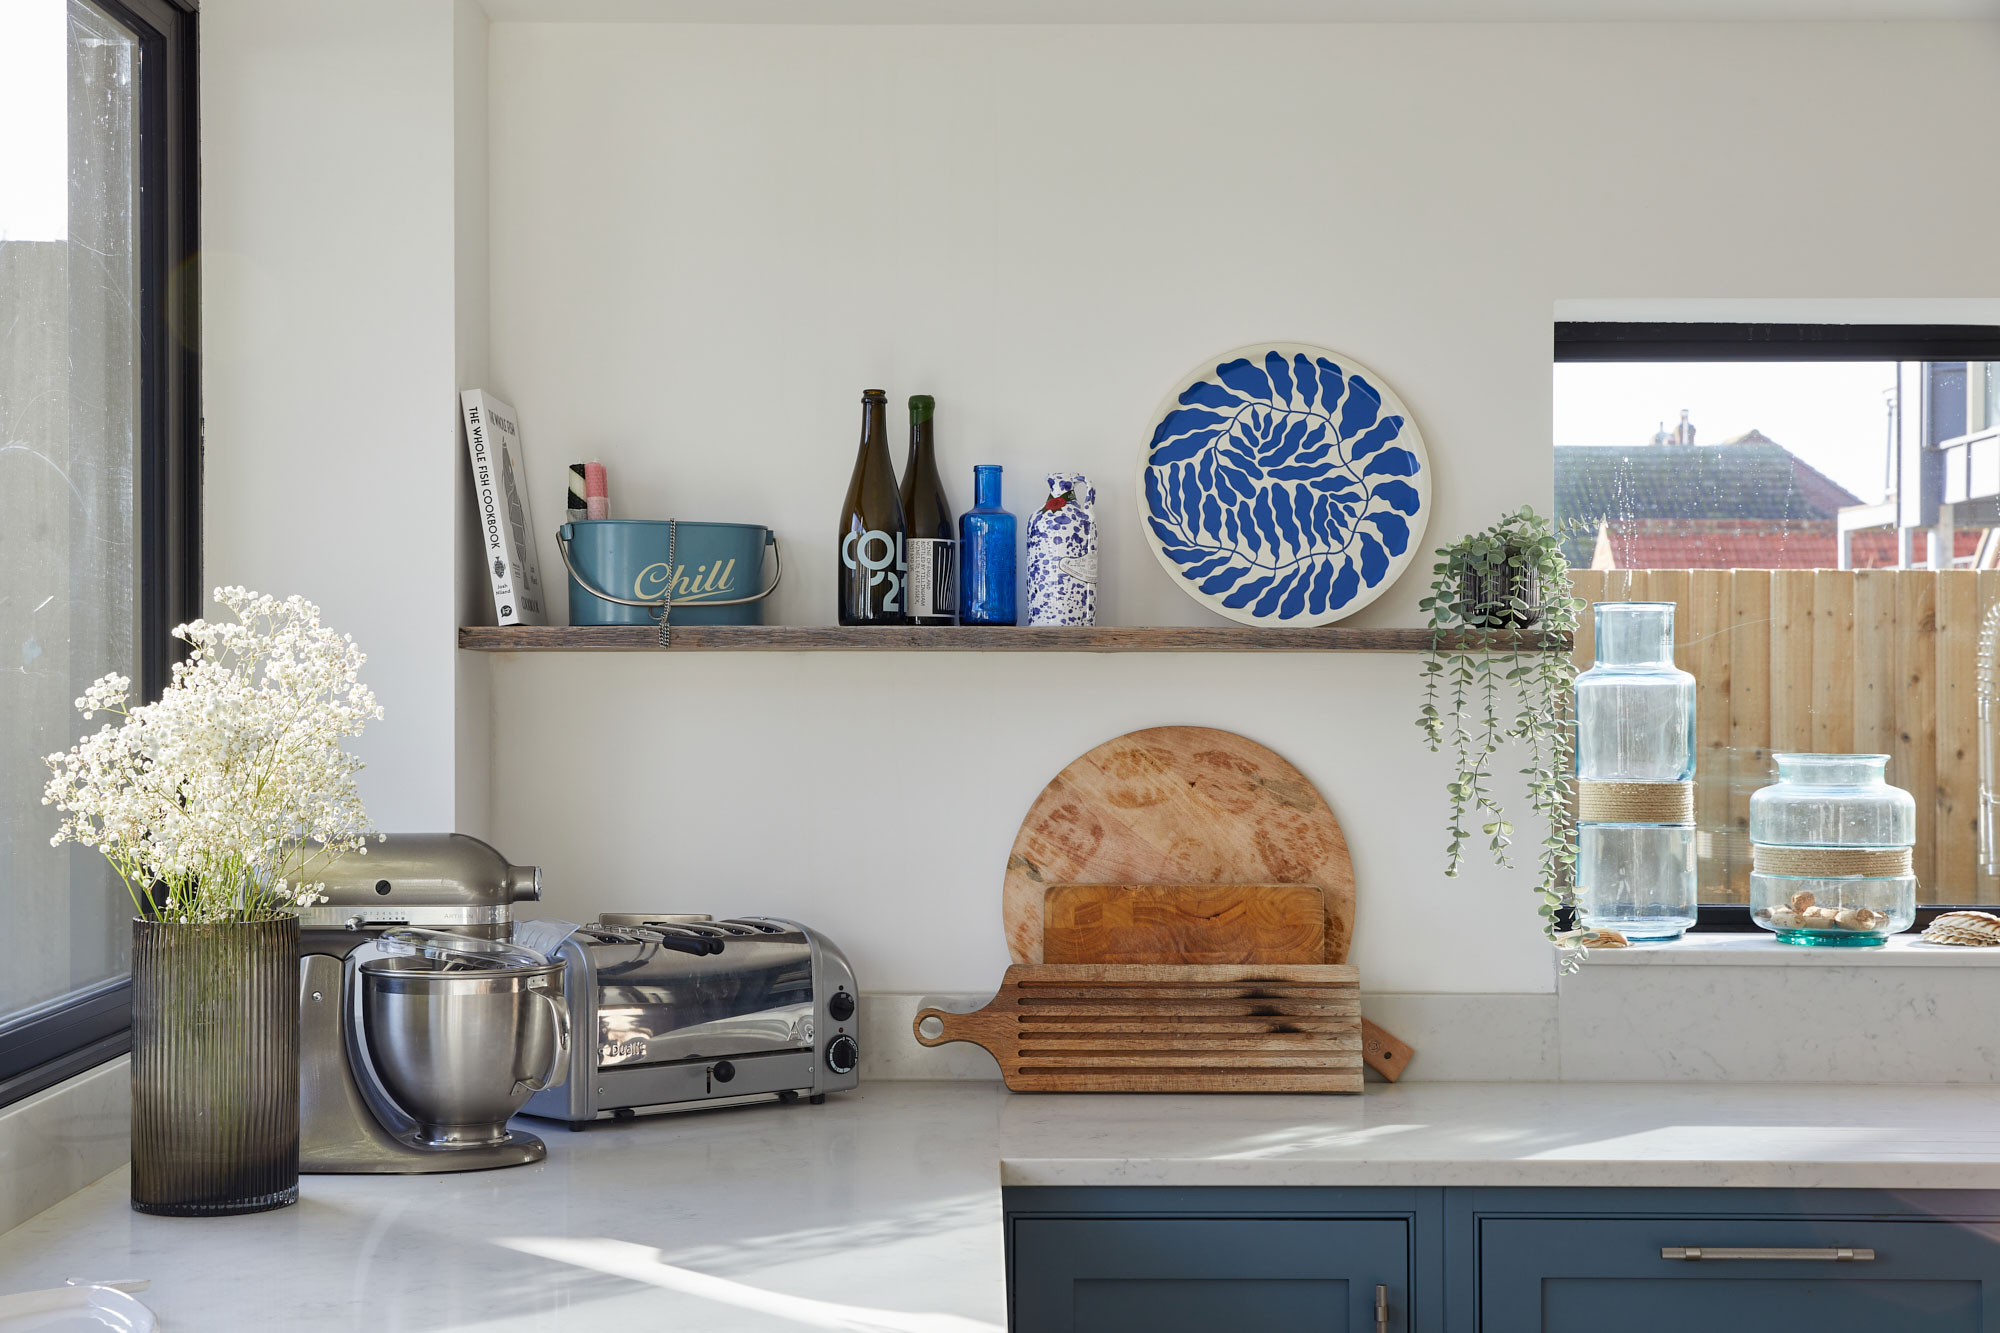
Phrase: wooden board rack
x=1081 y=1028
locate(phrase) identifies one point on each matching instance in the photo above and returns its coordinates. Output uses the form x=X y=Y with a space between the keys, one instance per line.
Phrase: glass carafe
x=1635 y=865
x=1831 y=844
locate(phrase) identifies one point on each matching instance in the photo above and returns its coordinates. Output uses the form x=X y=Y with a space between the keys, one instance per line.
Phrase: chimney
x=1684 y=433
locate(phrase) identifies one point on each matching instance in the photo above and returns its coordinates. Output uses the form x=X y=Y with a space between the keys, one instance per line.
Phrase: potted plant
x=1499 y=671
x=217 y=805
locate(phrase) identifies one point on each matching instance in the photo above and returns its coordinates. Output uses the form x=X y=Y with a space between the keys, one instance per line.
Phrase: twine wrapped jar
x=1831 y=844
x=1635 y=863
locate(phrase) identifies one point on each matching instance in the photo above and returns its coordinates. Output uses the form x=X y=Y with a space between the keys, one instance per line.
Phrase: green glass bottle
x=932 y=543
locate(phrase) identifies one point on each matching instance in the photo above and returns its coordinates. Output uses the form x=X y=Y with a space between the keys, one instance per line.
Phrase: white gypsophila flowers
x=232 y=790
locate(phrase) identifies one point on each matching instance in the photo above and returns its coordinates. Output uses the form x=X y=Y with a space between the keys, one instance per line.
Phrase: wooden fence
x=1835 y=661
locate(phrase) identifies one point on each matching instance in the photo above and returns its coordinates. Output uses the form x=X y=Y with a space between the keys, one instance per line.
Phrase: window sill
x=62 y=1138
x=1762 y=949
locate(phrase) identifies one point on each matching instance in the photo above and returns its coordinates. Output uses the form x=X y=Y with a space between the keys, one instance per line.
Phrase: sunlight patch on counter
x=642 y=1263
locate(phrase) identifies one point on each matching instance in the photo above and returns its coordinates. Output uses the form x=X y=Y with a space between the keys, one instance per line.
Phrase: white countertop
x=763 y=1218
x=881 y=1209
x=1804 y=1136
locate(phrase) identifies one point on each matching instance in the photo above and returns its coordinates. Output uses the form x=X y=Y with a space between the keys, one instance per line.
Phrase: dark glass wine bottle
x=872 y=557
x=932 y=547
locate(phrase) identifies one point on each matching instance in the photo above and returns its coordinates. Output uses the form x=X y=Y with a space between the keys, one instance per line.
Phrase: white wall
x=472 y=680
x=707 y=240
x=330 y=301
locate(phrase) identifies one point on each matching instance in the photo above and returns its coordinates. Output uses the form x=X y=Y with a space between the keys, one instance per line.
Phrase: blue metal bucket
x=622 y=571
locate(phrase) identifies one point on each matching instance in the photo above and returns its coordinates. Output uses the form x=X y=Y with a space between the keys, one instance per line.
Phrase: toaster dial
x=842 y=1055
x=840 y=1006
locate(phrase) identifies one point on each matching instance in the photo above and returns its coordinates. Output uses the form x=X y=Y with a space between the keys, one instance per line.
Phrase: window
x=99 y=459
x=1822 y=504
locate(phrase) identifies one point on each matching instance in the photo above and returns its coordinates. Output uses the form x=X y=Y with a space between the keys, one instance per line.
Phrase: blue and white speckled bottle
x=1062 y=554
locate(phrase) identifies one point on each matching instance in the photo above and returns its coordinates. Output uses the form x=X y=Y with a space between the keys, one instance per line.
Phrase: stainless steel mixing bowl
x=461 y=1047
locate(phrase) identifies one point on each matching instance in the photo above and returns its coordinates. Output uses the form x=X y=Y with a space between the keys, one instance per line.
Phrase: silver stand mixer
x=422 y=1029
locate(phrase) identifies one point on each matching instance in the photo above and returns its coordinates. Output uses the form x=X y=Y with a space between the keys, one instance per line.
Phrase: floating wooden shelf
x=956 y=639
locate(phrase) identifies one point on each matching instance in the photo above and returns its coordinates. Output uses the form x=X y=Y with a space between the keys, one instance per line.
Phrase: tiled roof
x=1683 y=481
x=1669 y=543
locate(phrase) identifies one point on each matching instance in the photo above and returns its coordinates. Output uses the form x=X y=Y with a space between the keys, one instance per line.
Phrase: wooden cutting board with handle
x=1076 y=1028
x=1183 y=806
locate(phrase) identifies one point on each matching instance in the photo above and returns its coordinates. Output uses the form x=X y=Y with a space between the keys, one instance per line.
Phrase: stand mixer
x=422 y=1029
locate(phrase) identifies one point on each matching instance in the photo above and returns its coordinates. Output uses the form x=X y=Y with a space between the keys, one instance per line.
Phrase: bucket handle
x=660 y=607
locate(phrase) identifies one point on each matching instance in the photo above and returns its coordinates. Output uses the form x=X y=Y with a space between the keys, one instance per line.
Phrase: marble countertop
x=1760 y=948
x=1842 y=1136
x=881 y=1209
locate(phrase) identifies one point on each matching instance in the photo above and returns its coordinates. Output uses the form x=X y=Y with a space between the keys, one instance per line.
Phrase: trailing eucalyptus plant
x=1498 y=670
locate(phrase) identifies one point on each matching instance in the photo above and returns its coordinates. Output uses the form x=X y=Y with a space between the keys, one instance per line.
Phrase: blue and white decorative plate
x=1284 y=485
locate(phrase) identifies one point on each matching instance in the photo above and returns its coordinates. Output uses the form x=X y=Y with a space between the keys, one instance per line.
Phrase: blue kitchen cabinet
x=1201 y=1260
x=1088 y=1260
x=1816 y=1261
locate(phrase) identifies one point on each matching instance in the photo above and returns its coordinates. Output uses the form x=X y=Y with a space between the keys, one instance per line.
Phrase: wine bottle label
x=877 y=551
x=933 y=576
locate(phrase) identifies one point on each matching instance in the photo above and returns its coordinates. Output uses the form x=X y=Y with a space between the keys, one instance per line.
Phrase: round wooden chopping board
x=1177 y=805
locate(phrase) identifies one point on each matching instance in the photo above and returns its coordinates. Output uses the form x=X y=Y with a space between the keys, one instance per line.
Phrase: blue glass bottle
x=986 y=550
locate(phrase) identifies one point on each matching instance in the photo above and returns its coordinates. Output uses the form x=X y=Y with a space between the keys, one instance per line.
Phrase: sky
x=34 y=107
x=1833 y=414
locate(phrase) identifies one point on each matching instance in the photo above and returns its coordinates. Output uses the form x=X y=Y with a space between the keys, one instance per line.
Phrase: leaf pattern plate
x=1284 y=484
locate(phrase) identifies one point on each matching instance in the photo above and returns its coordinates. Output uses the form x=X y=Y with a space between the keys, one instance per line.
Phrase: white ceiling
x=1232 y=11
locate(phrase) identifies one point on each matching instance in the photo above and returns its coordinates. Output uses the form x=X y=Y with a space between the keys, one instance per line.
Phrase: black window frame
x=45 y=1045
x=1604 y=340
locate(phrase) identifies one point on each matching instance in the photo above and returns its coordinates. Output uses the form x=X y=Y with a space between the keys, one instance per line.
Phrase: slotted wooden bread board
x=1155 y=1028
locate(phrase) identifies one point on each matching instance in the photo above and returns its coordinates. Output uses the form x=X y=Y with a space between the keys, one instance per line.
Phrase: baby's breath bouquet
x=222 y=800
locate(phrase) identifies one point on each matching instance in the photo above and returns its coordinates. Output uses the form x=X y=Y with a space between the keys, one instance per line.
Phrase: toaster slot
x=680 y=938
x=763 y=925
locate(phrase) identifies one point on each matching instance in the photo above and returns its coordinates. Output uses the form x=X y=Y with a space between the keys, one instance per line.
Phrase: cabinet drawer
x=1179 y=1275
x=1581 y=1275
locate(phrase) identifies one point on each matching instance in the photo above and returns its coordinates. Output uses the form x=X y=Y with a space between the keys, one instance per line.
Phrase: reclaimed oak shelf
x=954 y=639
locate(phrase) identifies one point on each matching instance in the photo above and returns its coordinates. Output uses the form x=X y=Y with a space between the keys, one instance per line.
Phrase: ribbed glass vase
x=215 y=1066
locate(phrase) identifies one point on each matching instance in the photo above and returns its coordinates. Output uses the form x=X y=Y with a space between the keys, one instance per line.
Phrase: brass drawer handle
x=1381 y=1309
x=1840 y=1254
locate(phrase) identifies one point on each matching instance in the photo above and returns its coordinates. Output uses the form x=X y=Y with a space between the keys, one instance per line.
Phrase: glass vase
x=215 y=1066
x=1635 y=864
x=1830 y=847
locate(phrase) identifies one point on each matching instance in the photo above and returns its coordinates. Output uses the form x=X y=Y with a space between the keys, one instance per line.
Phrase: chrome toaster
x=674 y=1012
